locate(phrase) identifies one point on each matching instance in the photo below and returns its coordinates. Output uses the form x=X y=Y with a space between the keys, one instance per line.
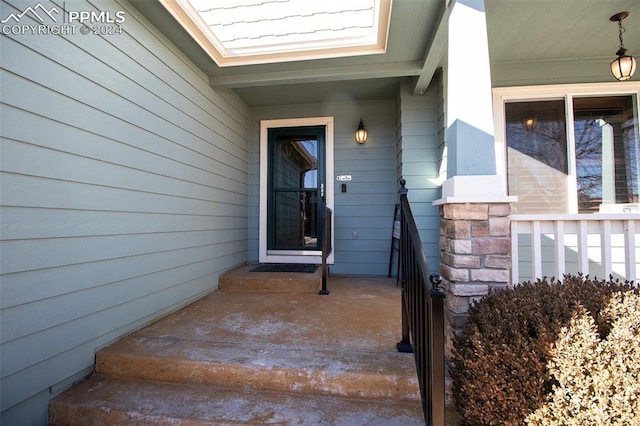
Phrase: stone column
x=475 y=257
x=475 y=244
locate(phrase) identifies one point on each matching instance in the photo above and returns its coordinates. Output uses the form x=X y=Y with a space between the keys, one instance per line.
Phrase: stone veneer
x=475 y=257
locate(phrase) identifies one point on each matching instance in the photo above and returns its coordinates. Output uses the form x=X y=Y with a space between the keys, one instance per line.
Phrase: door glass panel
x=295 y=189
x=295 y=220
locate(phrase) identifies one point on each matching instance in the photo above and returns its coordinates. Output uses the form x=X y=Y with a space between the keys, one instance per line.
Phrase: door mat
x=285 y=267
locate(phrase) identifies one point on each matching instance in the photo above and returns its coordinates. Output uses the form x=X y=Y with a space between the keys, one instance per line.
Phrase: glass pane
x=295 y=189
x=295 y=224
x=606 y=135
x=537 y=167
x=295 y=163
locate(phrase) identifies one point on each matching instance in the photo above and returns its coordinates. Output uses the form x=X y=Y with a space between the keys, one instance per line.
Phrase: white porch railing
x=596 y=244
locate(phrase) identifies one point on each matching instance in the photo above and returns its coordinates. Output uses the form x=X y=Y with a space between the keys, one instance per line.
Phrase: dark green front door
x=296 y=179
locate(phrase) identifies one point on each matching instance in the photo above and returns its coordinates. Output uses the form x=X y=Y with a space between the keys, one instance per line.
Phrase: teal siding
x=367 y=206
x=419 y=157
x=124 y=196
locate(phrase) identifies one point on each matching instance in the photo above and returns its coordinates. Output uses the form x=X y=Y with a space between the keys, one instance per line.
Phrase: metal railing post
x=437 y=403
x=405 y=344
x=422 y=315
x=326 y=246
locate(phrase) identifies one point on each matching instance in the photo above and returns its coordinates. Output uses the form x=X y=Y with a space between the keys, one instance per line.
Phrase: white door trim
x=267 y=256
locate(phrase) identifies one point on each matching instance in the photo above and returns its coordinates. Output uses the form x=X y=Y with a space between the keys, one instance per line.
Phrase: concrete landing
x=259 y=357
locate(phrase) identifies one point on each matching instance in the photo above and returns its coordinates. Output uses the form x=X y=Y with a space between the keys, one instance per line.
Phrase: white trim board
x=284 y=256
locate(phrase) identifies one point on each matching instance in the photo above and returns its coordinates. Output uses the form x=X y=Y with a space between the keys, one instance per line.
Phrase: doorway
x=296 y=159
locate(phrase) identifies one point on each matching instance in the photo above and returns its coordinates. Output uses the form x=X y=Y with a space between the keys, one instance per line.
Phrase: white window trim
x=285 y=256
x=567 y=92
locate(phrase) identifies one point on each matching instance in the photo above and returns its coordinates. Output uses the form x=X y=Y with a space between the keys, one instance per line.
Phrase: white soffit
x=244 y=32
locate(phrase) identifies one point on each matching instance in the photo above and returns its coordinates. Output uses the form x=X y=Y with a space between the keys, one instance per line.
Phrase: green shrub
x=500 y=373
x=598 y=377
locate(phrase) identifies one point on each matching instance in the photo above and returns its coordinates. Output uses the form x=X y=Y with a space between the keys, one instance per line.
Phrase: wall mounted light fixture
x=530 y=123
x=624 y=65
x=361 y=133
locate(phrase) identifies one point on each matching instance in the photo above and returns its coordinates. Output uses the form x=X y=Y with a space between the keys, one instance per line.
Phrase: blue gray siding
x=367 y=206
x=419 y=157
x=124 y=196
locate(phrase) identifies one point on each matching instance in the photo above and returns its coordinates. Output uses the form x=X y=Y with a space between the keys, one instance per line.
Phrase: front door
x=296 y=158
x=296 y=181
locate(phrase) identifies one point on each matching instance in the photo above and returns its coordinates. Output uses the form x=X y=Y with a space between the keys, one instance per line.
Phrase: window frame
x=566 y=92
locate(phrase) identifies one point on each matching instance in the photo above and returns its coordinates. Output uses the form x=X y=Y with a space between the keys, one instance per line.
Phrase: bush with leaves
x=598 y=377
x=500 y=373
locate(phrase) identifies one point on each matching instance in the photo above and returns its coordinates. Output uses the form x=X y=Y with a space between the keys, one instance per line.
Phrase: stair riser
x=243 y=280
x=304 y=285
x=62 y=414
x=107 y=401
x=304 y=381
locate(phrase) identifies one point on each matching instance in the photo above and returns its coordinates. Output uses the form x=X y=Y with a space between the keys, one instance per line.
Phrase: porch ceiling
x=521 y=32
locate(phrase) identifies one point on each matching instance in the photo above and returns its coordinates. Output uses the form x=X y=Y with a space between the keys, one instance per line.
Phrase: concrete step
x=114 y=401
x=307 y=370
x=257 y=357
x=242 y=279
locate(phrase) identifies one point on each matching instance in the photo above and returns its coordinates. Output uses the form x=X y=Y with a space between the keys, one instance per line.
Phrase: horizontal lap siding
x=419 y=157
x=124 y=194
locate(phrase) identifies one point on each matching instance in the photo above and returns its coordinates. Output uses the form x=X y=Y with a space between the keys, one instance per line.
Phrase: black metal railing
x=422 y=315
x=327 y=217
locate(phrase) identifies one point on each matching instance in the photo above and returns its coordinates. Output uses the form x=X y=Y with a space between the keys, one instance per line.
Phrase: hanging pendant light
x=624 y=65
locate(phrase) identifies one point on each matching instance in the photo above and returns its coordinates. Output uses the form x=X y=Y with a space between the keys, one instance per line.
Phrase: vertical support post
x=324 y=291
x=515 y=258
x=583 y=246
x=605 y=248
x=404 y=345
x=470 y=142
x=559 y=249
x=629 y=249
x=326 y=246
x=536 y=251
x=436 y=321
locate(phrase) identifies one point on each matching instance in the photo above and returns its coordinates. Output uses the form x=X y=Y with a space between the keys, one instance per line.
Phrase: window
x=606 y=146
x=572 y=152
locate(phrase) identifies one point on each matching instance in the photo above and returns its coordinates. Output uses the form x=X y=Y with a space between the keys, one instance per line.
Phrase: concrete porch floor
x=264 y=347
x=360 y=314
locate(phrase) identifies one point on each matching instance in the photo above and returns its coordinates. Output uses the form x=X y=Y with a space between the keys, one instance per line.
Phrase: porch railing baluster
x=600 y=244
x=327 y=217
x=422 y=315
